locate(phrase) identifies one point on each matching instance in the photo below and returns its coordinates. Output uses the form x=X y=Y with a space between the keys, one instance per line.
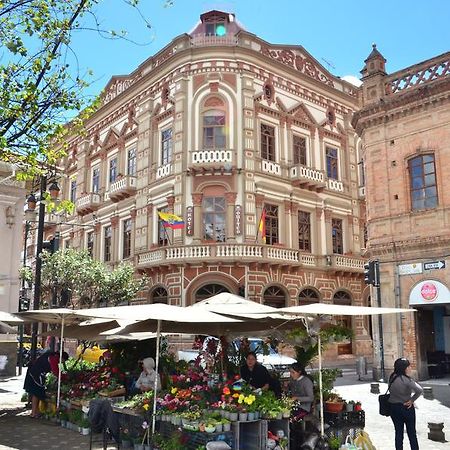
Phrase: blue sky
x=339 y=32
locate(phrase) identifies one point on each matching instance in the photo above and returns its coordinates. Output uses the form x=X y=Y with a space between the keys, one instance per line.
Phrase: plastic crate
x=346 y=418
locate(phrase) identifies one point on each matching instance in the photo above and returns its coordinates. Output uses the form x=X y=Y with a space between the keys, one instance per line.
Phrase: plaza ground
x=19 y=431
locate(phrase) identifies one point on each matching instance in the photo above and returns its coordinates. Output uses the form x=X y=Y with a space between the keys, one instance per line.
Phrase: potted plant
x=85 y=426
x=350 y=406
x=334 y=442
x=127 y=440
x=334 y=403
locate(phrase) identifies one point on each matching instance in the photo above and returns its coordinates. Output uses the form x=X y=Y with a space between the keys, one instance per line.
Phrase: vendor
x=301 y=389
x=255 y=374
x=146 y=381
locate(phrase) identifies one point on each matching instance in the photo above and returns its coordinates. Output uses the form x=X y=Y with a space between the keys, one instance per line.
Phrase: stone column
x=97 y=242
x=287 y=217
x=197 y=202
x=294 y=222
x=133 y=231
x=230 y=198
x=150 y=225
x=115 y=238
x=316 y=235
x=328 y=239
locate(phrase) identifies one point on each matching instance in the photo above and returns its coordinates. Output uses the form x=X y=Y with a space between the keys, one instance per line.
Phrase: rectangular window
x=107 y=236
x=299 y=150
x=337 y=237
x=267 y=142
x=95 y=179
x=214 y=129
x=126 y=247
x=332 y=163
x=362 y=173
x=112 y=170
x=271 y=224
x=162 y=232
x=166 y=146
x=423 y=188
x=90 y=243
x=73 y=191
x=214 y=217
x=131 y=162
x=215 y=29
x=304 y=231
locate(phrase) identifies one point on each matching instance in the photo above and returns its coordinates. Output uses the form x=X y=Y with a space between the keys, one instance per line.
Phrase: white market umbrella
x=9 y=318
x=174 y=318
x=319 y=310
x=63 y=316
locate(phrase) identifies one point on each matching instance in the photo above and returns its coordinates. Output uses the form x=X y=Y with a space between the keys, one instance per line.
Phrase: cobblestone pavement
x=19 y=432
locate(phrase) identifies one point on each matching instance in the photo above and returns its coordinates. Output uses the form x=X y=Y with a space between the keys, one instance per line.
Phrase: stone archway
x=209 y=290
x=159 y=295
x=275 y=296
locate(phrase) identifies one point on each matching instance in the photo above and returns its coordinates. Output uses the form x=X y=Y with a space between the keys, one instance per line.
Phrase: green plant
x=328 y=378
x=84 y=423
x=334 y=443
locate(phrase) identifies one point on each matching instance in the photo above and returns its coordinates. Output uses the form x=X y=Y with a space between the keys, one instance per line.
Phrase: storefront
x=432 y=300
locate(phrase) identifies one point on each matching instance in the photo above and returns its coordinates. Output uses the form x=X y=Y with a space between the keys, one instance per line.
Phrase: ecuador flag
x=171 y=220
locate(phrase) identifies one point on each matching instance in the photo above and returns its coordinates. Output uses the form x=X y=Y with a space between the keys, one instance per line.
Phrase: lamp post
x=54 y=192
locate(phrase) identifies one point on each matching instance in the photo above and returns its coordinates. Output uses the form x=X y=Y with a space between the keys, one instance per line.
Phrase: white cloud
x=352 y=80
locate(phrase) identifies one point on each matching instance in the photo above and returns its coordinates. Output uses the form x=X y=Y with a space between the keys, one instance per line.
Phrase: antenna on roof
x=328 y=63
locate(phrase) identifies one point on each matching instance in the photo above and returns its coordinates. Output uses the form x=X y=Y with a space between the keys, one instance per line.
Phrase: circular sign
x=429 y=292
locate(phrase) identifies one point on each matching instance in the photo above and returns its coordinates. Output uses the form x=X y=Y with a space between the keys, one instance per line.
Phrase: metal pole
x=21 y=327
x=319 y=344
x=60 y=365
x=380 y=331
x=37 y=277
x=155 y=386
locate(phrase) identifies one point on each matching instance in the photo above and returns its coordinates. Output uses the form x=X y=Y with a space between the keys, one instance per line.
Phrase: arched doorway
x=275 y=297
x=209 y=290
x=159 y=295
x=308 y=296
x=343 y=298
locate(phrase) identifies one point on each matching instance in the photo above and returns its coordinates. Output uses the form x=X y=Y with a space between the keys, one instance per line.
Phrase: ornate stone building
x=215 y=128
x=405 y=128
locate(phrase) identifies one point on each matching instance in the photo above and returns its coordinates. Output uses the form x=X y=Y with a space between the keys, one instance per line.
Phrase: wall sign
x=189 y=221
x=429 y=292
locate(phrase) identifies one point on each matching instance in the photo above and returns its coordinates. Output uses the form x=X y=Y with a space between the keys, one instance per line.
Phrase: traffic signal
x=24 y=304
x=372 y=273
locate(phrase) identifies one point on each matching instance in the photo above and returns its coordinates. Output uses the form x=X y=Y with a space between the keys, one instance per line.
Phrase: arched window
x=159 y=295
x=214 y=123
x=209 y=290
x=342 y=298
x=308 y=296
x=275 y=297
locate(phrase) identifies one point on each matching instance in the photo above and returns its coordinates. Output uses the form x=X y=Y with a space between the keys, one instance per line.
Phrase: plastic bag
x=363 y=441
x=349 y=445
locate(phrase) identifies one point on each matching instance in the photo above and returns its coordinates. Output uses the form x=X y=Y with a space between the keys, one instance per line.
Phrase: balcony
x=335 y=185
x=121 y=188
x=270 y=167
x=163 y=171
x=87 y=203
x=307 y=177
x=245 y=253
x=211 y=156
x=362 y=192
x=202 y=40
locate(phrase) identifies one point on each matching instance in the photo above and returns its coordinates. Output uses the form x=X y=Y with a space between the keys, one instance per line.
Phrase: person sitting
x=146 y=380
x=301 y=389
x=255 y=374
x=37 y=372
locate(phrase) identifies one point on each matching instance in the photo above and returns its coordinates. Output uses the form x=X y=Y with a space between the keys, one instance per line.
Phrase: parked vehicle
x=93 y=354
x=266 y=355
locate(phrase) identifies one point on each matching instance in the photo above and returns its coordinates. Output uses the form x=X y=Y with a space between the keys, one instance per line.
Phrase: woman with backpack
x=404 y=391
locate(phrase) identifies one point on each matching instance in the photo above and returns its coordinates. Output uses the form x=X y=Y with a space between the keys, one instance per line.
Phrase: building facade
x=224 y=130
x=404 y=124
x=12 y=195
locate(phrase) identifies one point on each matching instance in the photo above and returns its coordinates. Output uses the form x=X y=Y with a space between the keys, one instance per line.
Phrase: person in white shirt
x=146 y=380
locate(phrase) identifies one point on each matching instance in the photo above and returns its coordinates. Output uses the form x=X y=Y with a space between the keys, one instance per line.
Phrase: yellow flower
x=241 y=398
x=174 y=390
x=235 y=395
x=146 y=406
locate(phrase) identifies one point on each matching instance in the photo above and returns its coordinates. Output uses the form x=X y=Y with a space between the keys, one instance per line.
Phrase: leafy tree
x=90 y=282
x=40 y=84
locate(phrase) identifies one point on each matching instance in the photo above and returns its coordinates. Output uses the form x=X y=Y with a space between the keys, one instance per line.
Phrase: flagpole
x=167 y=235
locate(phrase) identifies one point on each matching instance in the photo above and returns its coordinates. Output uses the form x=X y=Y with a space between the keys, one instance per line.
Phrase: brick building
x=404 y=124
x=217 y=127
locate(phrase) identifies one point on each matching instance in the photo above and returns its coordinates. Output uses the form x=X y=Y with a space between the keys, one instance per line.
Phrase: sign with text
x=434 y=265
x=410 y=269
x=429 y=292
